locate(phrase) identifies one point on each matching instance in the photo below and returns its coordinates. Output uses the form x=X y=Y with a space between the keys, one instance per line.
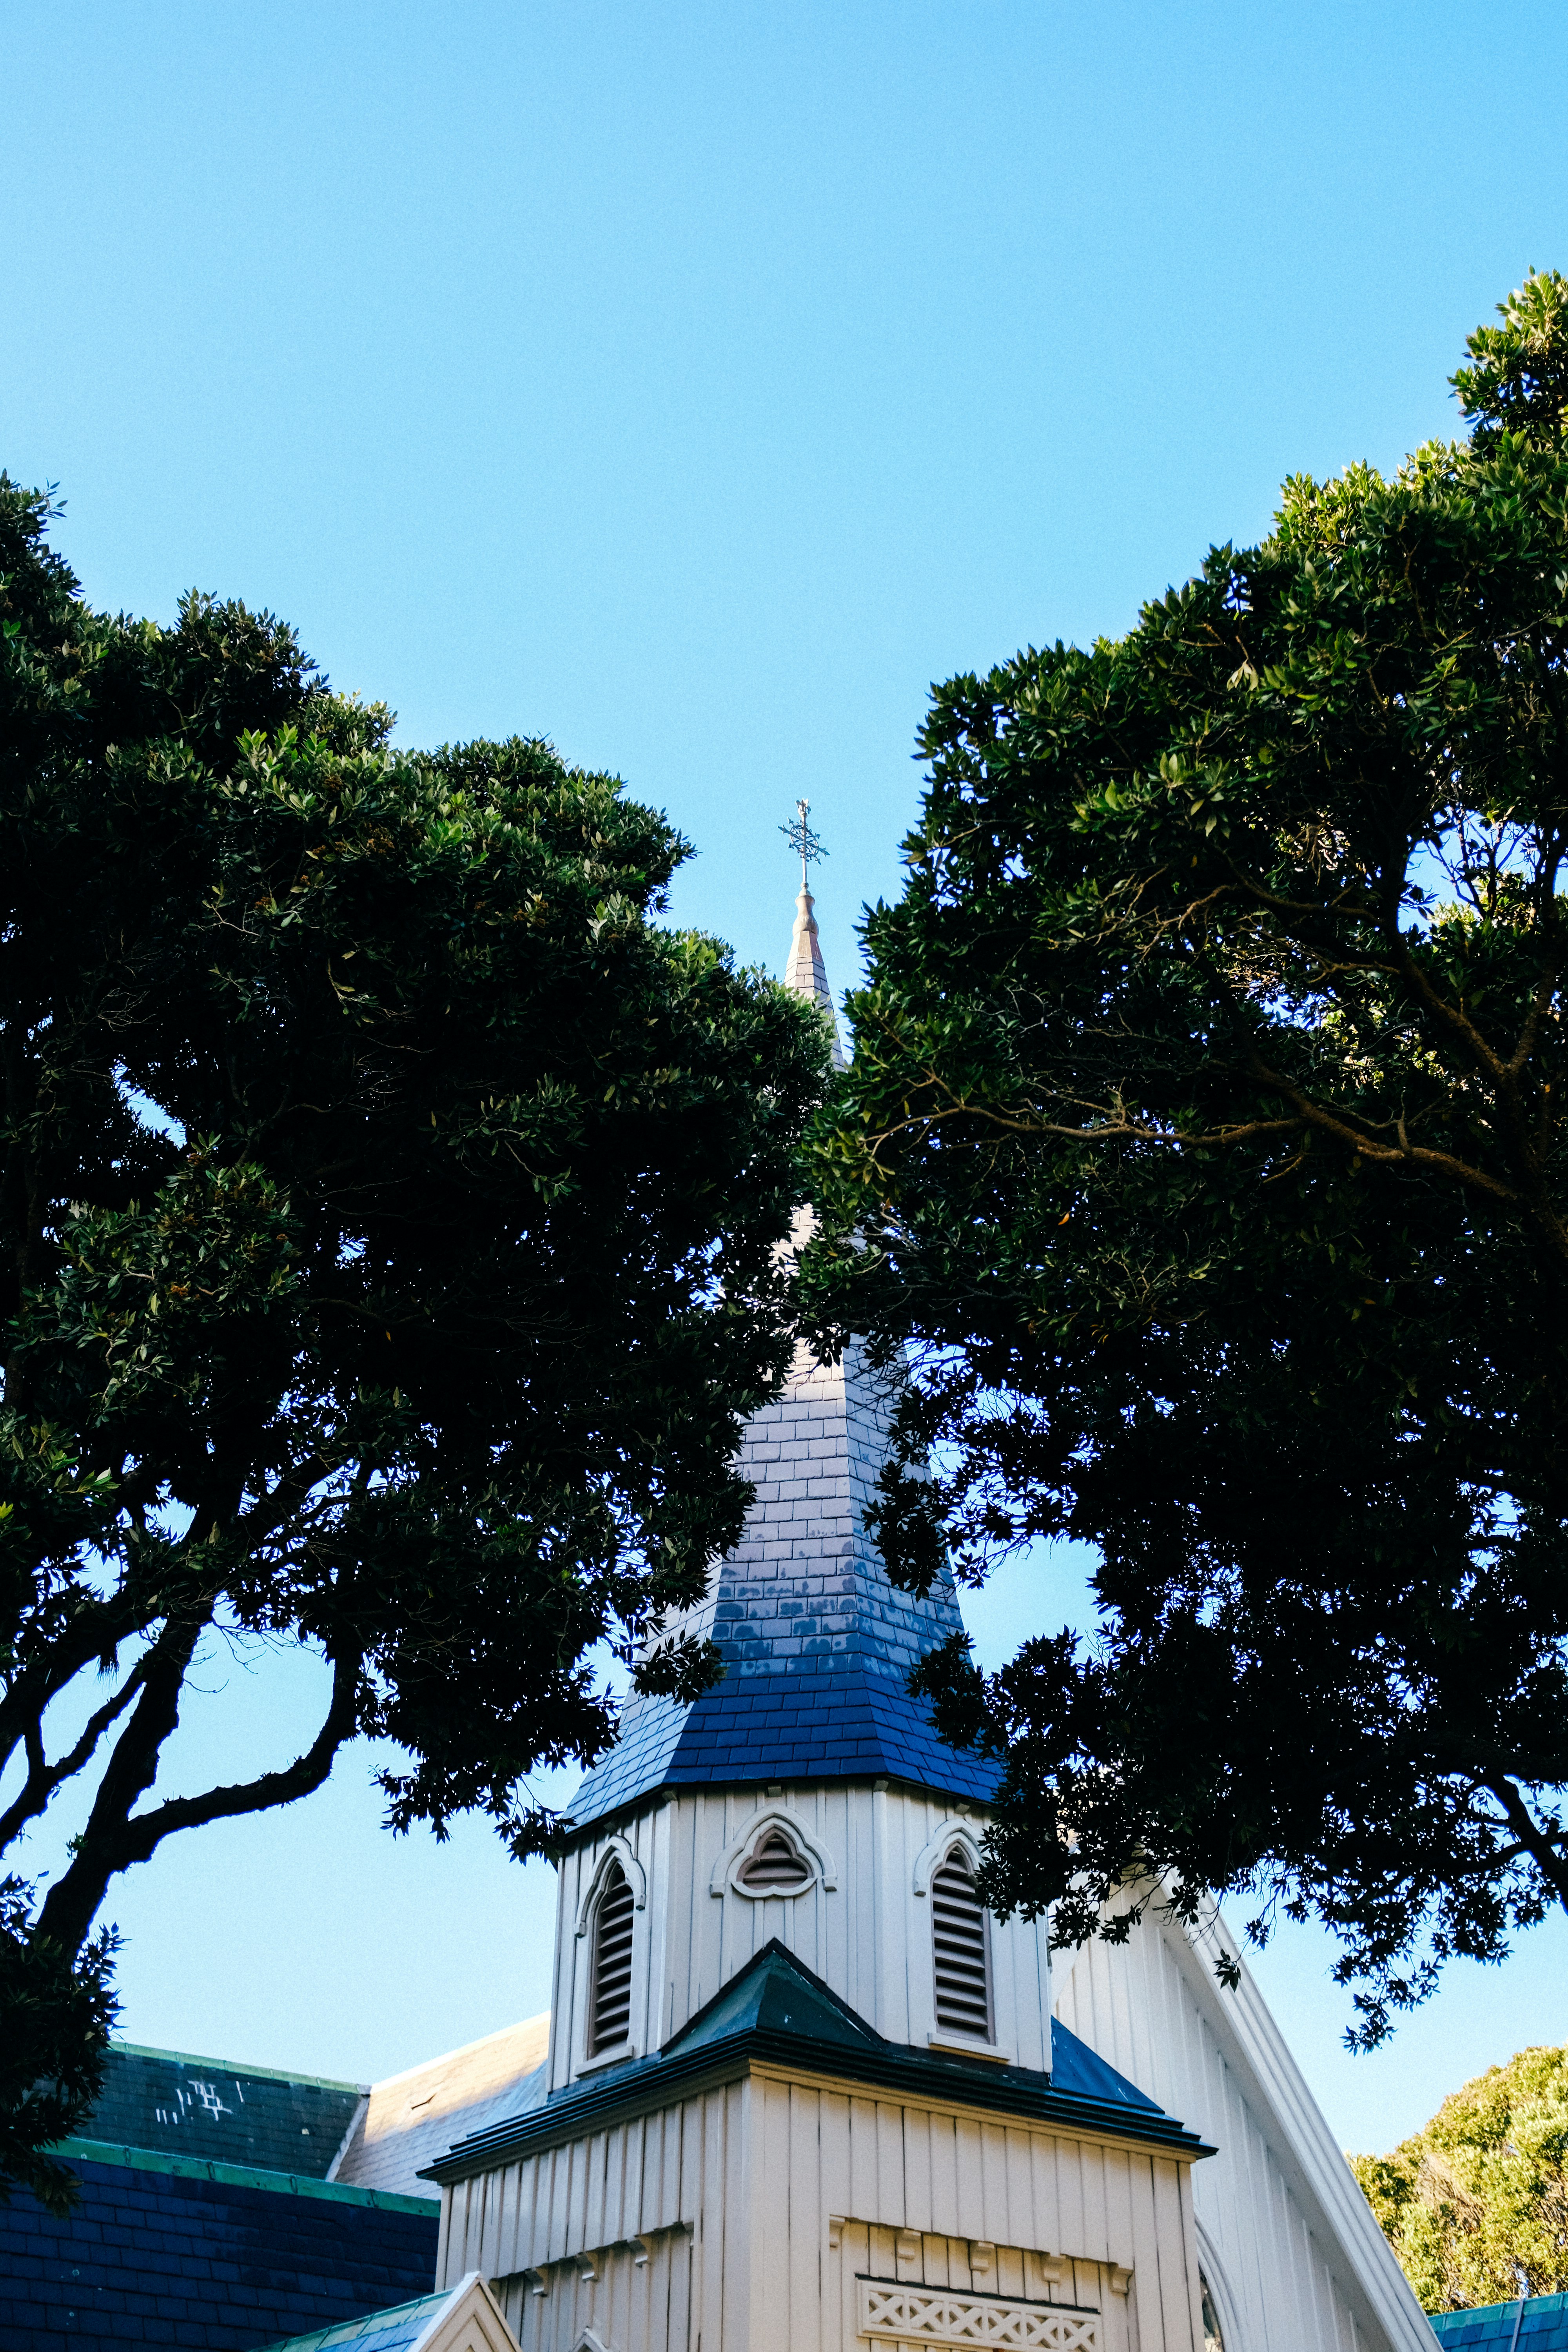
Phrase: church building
x=797 y=2092
x=802 y=2092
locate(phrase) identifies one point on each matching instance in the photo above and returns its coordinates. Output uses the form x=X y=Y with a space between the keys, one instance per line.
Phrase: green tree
x=1476 y=2206
x=389 y=1211
x=1205 y=1141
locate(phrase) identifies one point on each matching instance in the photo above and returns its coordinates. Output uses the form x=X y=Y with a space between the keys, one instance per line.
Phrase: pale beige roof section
x=806 y=972
x=406 y=2122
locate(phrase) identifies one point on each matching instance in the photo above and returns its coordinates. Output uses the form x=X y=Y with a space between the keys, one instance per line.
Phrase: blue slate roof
x=167 y=2251
x=1543 y=2324
x=816 y=1642
x=1077 y=2068
x=826 y=1719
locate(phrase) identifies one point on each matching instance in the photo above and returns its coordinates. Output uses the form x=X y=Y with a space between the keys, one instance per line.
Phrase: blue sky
x=694 y=385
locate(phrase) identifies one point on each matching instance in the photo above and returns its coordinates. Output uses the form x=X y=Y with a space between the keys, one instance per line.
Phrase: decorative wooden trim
x=926 y=2314
x=1213 y=2272
x=981 y=2252
x=616 y=1850
x=952 y=1831
x=471 y=2320
x=725 y=1875
x=588 y=2263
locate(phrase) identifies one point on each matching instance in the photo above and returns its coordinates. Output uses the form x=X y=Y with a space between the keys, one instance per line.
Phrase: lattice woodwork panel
x=930 y=2315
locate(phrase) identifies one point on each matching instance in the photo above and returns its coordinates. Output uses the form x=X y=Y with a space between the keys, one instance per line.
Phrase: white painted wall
x=1298 y=2262
x=742 y=2218
x=868 y=1934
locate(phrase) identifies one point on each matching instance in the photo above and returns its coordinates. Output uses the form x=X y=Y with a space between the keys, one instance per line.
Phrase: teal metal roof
x=775 y=2009
x=774 y=1993
x=240 y=2176
x=217 y=2112
x=1537 y=2323
x=395 y=2329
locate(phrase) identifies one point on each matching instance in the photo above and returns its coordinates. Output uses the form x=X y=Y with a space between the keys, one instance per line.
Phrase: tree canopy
x=1476 y=2205
x=389 y=1215
x=1205 y=1141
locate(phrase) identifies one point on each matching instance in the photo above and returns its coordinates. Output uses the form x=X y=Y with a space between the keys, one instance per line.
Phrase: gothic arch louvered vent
x=776 y=1866
x=961 y=1952
x=610 y=2000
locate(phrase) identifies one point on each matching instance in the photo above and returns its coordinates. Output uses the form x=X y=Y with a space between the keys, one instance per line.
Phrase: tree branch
x=114 y=1840
x=1552 y=1865
x=43 y=1779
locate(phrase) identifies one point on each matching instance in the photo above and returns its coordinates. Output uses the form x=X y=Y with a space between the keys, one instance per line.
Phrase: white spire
x=806 y=972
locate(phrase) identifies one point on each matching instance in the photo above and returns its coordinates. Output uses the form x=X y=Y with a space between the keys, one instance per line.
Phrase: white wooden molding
x=616 y=1849
x=615 y=2057
x=725 y=1881
x=961 y=2045
x=1213 y=2271
x=952 y=1832
x=1304 y=2148
x=910 y=2245
x=471 y=2320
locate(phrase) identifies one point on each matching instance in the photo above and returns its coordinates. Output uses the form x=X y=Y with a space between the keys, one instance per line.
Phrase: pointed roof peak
x=805 y=971
x=775 y=1992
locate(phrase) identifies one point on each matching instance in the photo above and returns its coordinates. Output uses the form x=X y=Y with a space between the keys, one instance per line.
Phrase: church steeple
x=816 y=1640
x=806 y=972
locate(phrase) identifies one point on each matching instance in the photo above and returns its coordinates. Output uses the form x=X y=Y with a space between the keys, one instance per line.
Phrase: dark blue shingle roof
x=826 y=1719
x=165 y=2252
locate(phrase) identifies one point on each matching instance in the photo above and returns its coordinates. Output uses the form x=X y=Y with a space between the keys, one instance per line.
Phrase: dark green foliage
x=388 y=1219
x=58 y=2010
x=1205 y=1130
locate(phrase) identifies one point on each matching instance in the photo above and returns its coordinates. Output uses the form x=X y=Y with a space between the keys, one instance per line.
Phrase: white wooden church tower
x=803 y=2096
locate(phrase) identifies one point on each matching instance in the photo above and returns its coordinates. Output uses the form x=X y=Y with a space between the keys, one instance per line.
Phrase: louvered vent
x=777 y=1865
x=610 y=2016
x=962 y=1962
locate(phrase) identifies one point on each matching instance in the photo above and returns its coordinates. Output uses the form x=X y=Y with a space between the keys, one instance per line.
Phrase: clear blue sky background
x=694 y=385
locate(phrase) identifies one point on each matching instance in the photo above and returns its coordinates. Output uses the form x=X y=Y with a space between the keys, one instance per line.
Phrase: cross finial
x=804 y=842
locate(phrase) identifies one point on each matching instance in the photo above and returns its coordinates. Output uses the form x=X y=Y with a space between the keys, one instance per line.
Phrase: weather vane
x=804 y=842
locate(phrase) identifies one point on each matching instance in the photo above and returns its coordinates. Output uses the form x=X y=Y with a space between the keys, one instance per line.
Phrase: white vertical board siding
x=626 y=2302
x=868 y=1937
x=733 y=2200
x=1302 y=2266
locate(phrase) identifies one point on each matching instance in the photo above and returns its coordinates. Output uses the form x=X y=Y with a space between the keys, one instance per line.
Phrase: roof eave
x=658 y=2083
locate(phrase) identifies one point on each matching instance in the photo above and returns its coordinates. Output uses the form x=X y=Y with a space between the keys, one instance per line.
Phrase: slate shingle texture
x=211 y=2108
x=164 y=2259
x=413 y=2118
x=395 y=2330
x=816 y=1642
